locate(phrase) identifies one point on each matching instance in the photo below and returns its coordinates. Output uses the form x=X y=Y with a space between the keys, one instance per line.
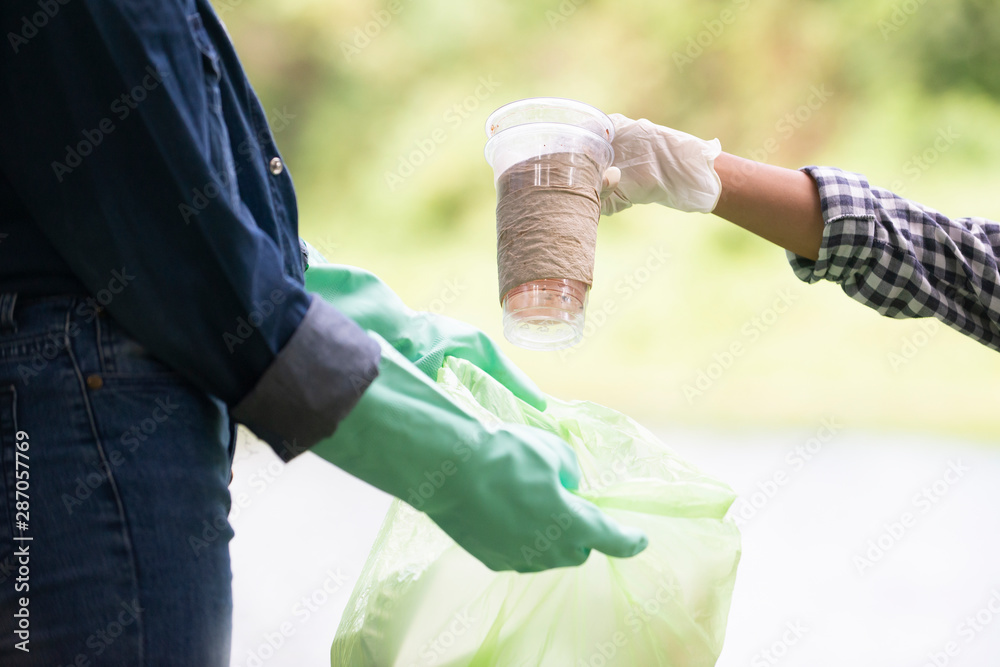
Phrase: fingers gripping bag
x=422 y=601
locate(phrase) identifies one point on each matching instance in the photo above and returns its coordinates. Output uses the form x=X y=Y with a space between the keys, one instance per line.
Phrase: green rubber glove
x=500 y=493
x=425 y=339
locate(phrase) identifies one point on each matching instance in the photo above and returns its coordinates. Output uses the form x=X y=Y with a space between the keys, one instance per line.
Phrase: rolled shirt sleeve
x=316 y=379
x=904 y=259
x=115 y=140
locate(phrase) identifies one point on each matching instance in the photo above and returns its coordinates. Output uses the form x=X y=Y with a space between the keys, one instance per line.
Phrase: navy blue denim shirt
x=136 y=165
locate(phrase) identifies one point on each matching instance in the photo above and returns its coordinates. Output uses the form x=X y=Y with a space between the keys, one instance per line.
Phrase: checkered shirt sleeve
x=904 y=259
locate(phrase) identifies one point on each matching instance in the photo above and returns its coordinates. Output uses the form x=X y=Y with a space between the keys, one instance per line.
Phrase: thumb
x=612 y=199
x=611 y=179
x=601 y=532
x=562 y=458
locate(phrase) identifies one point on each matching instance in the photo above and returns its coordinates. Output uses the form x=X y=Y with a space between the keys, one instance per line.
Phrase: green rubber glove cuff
x=424 y=339
x=402 y=428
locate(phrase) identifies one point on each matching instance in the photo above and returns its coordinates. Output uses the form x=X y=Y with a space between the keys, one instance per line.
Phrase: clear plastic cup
x=545 y=314
x=548 y=313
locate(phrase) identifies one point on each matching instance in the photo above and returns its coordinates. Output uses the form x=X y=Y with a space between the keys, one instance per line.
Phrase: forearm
x=777 y=204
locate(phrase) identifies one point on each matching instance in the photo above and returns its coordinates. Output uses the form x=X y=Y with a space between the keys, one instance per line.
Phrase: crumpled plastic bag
x=422 y=601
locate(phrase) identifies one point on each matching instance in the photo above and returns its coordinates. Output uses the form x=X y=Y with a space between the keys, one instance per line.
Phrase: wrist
x=732 y=172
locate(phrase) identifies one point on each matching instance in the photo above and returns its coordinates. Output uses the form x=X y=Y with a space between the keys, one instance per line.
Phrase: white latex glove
x=655 y=164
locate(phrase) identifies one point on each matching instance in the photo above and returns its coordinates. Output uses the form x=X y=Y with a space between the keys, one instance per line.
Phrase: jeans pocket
x=131 y=363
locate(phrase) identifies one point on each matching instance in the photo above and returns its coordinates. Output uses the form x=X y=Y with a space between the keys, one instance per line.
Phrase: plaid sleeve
x=904 y=259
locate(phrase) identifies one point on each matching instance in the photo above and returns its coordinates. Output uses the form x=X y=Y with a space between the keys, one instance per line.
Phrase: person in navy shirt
x=151 y=298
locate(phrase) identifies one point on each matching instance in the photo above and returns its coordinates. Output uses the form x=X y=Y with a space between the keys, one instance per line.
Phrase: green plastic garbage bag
x=421 y=601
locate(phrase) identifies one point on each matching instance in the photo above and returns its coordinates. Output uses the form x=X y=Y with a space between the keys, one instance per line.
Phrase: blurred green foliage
x=386 y=103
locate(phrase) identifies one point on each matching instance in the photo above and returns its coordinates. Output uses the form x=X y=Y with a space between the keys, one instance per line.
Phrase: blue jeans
x=114 y=499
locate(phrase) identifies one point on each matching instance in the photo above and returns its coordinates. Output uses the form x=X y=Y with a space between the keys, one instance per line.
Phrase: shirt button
x=276 y=166
x=95 y=381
